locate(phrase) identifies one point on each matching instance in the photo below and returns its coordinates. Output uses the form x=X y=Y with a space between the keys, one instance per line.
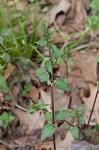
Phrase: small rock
x=83 y=145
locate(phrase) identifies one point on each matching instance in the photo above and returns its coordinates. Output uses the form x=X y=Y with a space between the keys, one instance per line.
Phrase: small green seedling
x=6 y=119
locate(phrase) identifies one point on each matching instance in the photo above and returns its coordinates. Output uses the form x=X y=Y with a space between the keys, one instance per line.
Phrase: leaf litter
x=70 y=17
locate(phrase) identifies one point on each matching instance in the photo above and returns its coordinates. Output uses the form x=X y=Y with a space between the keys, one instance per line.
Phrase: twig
x=10 y=146
x=20 y=107
x=5 y=108
x=9 y=108
x=92 y=109
x=69 y=123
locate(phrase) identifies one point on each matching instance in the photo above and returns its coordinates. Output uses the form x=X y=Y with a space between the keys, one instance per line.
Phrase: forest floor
x=20 y=22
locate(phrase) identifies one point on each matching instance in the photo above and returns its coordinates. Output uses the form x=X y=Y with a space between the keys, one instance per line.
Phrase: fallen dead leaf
x=89 y=103
x=62 y=69
x=1 y=97
x=34 y=94
x=88 y=65
x=20 y=4
x=79 y=15
x=64 y=144
x=46 y=145
x=61 y=99
x=54 y=2
x=11 y=2
x=3 y=147
x=79 y=86
x=46 y=98
x=62 y=6
x=26 y=140
x=9 y=70
x=33 y=122
x=73 y=17
x=16 y=91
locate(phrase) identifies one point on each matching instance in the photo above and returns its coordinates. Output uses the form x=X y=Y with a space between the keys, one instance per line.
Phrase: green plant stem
x=92 y=109
x=52 y=102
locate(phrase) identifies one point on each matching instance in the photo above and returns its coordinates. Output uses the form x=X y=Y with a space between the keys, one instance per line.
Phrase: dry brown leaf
x=26 y=140
x=11 y=2
x=63 y=145
x=1 y=97
x=61 y=99
x=87 y=4
x=76 y=100
x=71 y=14
x=78 y=83
x=3 y=147
x=46 y=145
x=60 y=37
x=34 y=94
x=76 y=17
x=20 y=4
x=46 y=98
x=60 y=144
x=82 y=75
x=9 y=70
x=54 y=2
x=62 y=69
x=79 y=15
x=61 y=6
x=89 y=102
x=16 y=91
x=33 y=122
x=86 y=62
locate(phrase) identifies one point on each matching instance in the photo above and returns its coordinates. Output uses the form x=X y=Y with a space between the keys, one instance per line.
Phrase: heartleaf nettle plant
x=45 y=74
x=75 y=119
x=6 y=119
